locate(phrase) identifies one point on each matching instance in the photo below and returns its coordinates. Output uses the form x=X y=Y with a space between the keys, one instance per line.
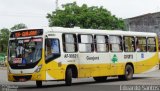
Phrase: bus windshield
x=25 y=51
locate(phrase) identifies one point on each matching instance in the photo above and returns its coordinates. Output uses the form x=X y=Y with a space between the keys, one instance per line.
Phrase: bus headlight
x=38 y=68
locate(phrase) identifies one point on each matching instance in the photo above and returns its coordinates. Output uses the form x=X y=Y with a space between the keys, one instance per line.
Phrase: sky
x=33 y=12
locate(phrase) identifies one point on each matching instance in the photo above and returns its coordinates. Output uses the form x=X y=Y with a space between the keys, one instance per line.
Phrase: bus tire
x=68 y=77
x=128 y=72
x=39 y=83
x=100 y=79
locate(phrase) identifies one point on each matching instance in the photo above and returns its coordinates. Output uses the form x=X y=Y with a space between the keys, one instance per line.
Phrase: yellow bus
x=61 y=54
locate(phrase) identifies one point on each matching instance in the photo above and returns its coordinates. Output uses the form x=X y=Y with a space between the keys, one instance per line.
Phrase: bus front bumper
x=25 y=77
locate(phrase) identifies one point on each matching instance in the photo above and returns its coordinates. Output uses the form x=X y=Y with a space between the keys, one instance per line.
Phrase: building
x=144 y=23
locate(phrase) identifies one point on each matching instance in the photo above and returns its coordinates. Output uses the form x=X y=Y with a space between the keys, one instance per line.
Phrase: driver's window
x=52 y=49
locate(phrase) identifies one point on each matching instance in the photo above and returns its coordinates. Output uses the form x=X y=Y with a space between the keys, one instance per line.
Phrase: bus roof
x=97 y=31
x=48 y=30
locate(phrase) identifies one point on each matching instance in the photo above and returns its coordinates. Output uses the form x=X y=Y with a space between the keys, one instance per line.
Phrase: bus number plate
x=17 y=60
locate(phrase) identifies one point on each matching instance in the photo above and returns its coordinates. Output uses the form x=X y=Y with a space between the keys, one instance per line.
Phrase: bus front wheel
x=39 y=83
x=68 y=77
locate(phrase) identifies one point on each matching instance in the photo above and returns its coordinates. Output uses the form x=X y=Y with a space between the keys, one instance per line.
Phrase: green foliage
x=84 y=17
x=4 y=36
x=18 y=26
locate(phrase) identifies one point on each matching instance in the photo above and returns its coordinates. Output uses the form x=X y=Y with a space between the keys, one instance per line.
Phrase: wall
x=144 y=23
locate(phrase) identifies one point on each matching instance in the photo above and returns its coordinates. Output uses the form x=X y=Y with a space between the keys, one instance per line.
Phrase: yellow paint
x=90 y=70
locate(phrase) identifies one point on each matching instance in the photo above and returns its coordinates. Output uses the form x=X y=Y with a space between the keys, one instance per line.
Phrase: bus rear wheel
x=100 y=79
x=68 y=77
x=128 y=73
x=39 y=83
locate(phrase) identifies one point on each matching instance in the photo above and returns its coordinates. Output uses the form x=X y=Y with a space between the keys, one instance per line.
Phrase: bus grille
x=17 y=78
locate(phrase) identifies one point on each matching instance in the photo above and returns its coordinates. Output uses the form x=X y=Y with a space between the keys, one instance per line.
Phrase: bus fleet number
x=71 y=56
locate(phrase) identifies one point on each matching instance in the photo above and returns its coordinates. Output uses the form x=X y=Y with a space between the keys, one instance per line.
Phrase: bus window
x=25 y=51
x=115 y=43
x=151 y=44
x=52 y=48
x=85 y=43
x=101 y=43
x=129 y=44
x=141 y=44
x=69 y=43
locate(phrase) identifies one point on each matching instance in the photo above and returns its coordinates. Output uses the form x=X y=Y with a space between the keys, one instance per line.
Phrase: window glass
x=86 y=43
x=141 y=44
x=129 y=44
x=85 y=47
x=115 y=43
x=100 y=39
x=52 y=48
x=151 y=44
x=69 y=38
x=114 y=39
x=69 y=43
x=101 y=43
x=86 y=39
x=25 y=51
x=151 y=41
x=70 y=48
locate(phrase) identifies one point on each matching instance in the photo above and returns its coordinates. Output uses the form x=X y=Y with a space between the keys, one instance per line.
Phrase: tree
x=4 y=36
x=4 y=39
x=84 y=17
x=18 y=26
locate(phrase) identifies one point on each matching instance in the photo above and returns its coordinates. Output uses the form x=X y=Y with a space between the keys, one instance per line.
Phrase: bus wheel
x=100 y=79
x=128 y=73
x=39 y=83
x=68 y=77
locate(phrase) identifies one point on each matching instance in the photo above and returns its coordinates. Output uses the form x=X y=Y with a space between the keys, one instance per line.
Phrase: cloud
x=33 y=12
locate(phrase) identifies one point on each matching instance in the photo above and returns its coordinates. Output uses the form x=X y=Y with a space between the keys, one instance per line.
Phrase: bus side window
x=115 y=43
x=85 y=43
x=129 y=44
x=151 y=42
x=69 y=43
x=101 y=43
x=141 y=44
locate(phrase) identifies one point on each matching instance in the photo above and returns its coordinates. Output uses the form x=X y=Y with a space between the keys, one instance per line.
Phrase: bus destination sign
x=27 y=33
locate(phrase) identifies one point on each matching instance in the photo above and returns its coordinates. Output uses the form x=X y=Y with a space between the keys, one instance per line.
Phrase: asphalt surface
x=85 y=84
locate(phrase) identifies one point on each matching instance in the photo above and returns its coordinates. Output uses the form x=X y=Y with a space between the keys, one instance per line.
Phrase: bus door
x=52 y=52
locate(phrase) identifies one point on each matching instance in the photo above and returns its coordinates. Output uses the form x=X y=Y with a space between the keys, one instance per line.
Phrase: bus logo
x=114 y=58
x=142 y=55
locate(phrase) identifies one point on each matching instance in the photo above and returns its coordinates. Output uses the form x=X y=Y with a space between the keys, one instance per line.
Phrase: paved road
x=87 y=84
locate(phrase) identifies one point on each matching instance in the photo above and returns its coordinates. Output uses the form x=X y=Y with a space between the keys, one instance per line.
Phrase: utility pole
x=56 y=4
